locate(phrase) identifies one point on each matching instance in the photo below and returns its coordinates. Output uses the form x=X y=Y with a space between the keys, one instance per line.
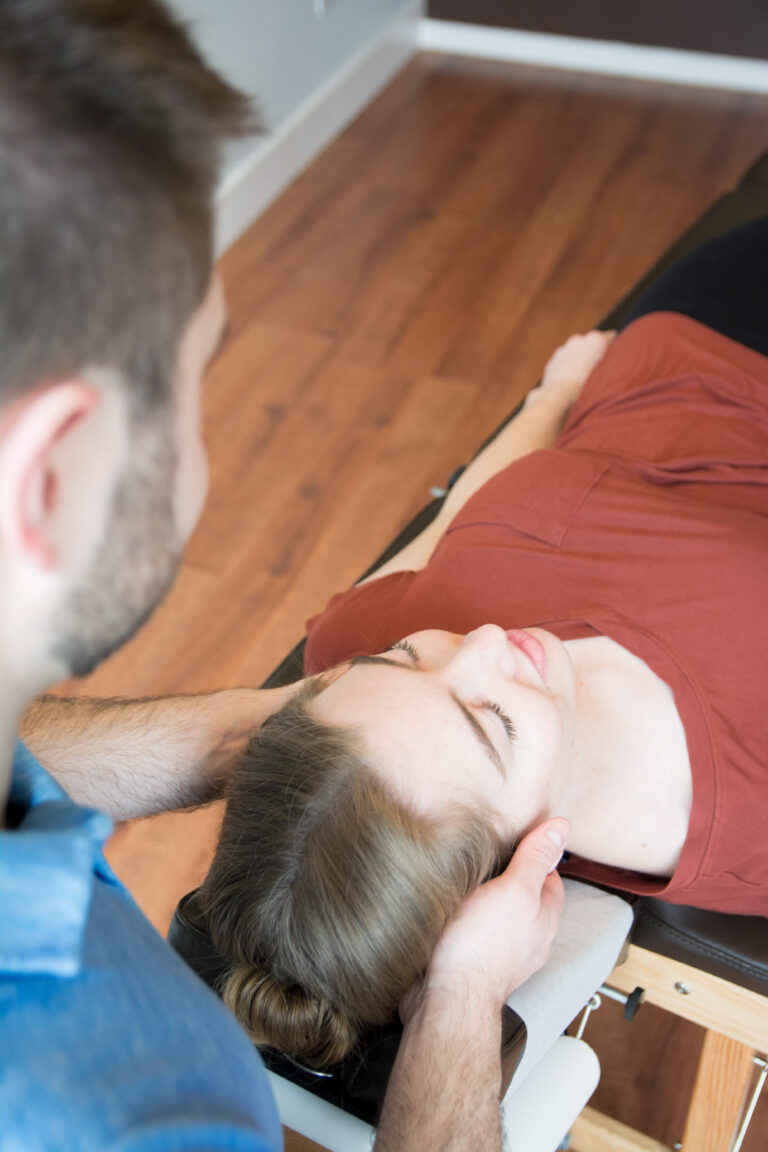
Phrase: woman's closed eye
x=485 y=706
x=406 y=646
x=509 y=728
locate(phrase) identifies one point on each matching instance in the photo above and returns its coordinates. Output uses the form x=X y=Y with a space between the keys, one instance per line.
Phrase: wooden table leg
x=725 y=1070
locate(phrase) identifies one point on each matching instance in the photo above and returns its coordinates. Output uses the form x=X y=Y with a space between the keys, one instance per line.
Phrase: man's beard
x=136 y=561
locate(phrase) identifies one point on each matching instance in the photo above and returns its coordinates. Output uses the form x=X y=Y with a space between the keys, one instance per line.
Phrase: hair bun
x=283 y=1015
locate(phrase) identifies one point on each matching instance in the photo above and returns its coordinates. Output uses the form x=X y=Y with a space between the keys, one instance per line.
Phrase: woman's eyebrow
x=357 y=660
x=477 y=729
x=481 y=736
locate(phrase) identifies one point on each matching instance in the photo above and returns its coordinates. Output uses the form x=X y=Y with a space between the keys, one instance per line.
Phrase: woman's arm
x=445 y=1087
x=537 y=425
x=138 y=757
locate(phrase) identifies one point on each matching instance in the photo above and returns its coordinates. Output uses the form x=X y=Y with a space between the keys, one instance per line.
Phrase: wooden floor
x=386 y=312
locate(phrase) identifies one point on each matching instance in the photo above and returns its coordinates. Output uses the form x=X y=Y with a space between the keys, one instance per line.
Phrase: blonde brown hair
x=326 y=893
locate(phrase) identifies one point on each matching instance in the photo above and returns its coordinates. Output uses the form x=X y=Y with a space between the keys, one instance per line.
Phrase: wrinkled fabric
x=107 y=1040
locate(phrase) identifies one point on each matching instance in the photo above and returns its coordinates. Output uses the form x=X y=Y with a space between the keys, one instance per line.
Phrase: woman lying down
x=582 y=632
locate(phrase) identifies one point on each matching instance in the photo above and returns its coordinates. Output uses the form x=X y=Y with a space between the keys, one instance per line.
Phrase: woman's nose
x=486 y=647
x=488 y=637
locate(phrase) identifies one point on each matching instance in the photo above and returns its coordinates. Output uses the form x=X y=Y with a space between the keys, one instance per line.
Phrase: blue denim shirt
x=107 y=1040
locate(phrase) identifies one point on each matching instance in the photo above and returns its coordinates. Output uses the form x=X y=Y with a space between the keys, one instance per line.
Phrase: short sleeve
x=677 y=395
x=352 y=622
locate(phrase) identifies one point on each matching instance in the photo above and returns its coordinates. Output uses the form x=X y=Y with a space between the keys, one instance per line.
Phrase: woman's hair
x=327 y=893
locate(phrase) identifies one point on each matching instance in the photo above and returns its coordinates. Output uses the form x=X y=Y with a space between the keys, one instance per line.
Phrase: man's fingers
x=529 y=894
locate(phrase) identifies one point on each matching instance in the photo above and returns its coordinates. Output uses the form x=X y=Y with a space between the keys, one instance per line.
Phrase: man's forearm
x=443 y=1094
x=136 y=757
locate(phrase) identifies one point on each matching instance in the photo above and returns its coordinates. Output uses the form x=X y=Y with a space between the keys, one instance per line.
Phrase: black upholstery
x=359 y=1083
x=732 y=947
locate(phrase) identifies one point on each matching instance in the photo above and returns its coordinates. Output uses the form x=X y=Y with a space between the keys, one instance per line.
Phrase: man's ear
x=31 y=431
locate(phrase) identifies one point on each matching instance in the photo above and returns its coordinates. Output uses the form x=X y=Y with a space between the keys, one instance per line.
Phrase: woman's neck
x=627 y=790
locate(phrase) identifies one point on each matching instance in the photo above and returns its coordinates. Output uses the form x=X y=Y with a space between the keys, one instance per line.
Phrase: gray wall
x=278 y=50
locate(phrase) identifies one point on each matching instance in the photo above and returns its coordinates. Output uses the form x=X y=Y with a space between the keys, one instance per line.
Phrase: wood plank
x=295 y=1142
x=594 y=1132
x=725 y=1072
x=648 y=1068
x=398 y=470
x=142 y=851
x=714 y=1003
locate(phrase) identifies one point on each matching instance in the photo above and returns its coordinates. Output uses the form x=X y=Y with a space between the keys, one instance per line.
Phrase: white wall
x=279 y=51
x=311 y=73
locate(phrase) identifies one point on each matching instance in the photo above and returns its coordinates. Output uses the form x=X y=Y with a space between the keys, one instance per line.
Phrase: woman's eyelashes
x=486 y=705
x=509 y=728
x=406 y=646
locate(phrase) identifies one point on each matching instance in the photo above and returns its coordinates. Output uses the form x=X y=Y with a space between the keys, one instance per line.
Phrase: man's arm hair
x=137 y=757
x=444 y=1090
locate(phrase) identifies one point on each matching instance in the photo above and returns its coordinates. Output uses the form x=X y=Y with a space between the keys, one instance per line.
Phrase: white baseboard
x=278 y=158
x=701 y=69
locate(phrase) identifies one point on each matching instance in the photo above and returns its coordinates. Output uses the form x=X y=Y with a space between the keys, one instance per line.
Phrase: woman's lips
x=532 y=647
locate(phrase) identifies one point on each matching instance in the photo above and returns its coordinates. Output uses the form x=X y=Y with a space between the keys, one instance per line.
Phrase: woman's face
x=487 y=717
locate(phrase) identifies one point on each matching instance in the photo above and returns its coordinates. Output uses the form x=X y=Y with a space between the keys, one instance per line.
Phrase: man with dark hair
x=110 y=127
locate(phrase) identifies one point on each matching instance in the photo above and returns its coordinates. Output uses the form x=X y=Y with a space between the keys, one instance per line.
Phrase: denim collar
x=48 y=859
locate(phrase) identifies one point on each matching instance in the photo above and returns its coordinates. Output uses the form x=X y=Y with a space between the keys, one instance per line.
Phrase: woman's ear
x=31 y=433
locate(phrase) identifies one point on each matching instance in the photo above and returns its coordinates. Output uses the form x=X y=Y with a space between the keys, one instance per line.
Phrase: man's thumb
x=542 y=848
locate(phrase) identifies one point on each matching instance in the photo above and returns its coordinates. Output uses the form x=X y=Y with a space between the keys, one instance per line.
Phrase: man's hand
x=502 y=933
x=569 y=366
x=445 y=1086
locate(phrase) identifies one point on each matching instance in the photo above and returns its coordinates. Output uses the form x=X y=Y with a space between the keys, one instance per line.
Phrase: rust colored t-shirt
x=648 y=523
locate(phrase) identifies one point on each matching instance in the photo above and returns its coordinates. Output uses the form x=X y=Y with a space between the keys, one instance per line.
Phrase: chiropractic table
x=710 y=968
